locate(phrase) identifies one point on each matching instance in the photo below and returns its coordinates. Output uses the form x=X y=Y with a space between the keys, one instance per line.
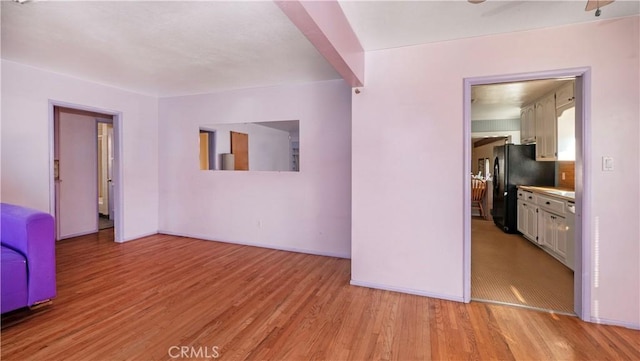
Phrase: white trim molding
x=261 y=245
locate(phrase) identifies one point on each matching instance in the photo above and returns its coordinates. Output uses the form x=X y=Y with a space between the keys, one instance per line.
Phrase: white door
x=78 y=184
x=532 y=222
x=110 y=170
x=561 y=246
x=547 y=232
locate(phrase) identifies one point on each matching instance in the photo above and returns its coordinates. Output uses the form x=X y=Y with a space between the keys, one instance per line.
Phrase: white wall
x=26 y=93
x=309 y=211
x=408 y=157
x=269 y=149
x=566 y=133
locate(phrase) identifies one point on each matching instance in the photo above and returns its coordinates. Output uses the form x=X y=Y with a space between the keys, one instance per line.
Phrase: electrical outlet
x=564 y=176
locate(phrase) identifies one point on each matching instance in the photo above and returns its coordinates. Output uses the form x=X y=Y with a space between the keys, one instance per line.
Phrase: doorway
x=582 y=271
x=240 y=150
x=85 y=153
x=105 y=173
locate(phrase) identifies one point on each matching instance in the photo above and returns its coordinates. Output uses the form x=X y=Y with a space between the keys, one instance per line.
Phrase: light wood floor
x=134 y=301
x=508 y=268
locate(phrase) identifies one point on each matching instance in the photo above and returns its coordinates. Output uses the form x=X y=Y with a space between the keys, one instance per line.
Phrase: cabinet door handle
x=530 y=197
x=547 y=203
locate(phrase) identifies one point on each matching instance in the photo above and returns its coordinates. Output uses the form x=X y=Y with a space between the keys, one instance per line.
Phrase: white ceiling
x=392 y=24
x=504 y=101
x=163 y=48
x=169 y=48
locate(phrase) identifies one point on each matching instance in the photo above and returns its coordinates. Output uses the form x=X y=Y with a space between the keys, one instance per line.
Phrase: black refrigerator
x=514 y=165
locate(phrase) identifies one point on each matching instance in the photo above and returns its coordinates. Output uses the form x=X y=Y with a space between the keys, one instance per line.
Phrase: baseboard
x=129 y=239
x=261 y=245
x=77 y=235
x=406 y=290
x=605 y=321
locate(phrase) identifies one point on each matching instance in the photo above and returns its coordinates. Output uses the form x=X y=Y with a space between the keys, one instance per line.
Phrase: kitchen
x=524 y=149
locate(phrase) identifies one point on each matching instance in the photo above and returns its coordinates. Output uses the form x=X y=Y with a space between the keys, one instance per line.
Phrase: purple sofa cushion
x=13 y=280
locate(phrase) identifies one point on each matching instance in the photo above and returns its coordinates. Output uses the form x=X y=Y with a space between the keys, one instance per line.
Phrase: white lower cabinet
x=528 y=220
x=562 y=241
x=553 y=233
x=543 y=221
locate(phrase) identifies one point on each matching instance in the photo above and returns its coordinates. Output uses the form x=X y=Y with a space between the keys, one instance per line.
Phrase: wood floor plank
x=134 y=301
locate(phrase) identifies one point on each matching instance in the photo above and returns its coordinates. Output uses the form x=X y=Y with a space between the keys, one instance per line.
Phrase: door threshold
x=524 y=306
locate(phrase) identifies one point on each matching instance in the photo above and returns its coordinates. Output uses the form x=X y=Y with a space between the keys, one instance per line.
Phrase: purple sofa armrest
x=31 y=232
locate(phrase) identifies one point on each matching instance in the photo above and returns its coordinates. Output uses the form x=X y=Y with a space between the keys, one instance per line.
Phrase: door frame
x=118 y=198
x=583 y=224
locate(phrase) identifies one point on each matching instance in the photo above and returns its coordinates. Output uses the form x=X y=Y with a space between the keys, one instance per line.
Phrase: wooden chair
x=478 y=188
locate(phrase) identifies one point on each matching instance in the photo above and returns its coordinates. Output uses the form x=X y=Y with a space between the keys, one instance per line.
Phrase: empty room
x=290 y=180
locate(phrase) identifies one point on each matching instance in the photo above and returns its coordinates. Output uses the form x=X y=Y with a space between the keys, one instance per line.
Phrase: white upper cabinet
x=527 y=125
x=565 y=95
x=546 y=132
x=550 y=123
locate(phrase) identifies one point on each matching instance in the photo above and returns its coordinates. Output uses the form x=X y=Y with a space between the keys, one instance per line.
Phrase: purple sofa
x=28 y=257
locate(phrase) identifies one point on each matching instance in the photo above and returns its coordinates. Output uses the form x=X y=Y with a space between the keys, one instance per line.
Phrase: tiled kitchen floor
x=507 y=268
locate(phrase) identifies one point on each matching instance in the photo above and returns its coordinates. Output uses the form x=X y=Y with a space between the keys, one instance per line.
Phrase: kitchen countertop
x=563 y=193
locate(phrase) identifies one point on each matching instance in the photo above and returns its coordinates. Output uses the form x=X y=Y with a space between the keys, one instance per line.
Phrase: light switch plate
x=607 y=164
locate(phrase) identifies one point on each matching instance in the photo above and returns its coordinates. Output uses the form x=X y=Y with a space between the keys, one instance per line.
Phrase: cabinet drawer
x=526 y=196
x=551 y=204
